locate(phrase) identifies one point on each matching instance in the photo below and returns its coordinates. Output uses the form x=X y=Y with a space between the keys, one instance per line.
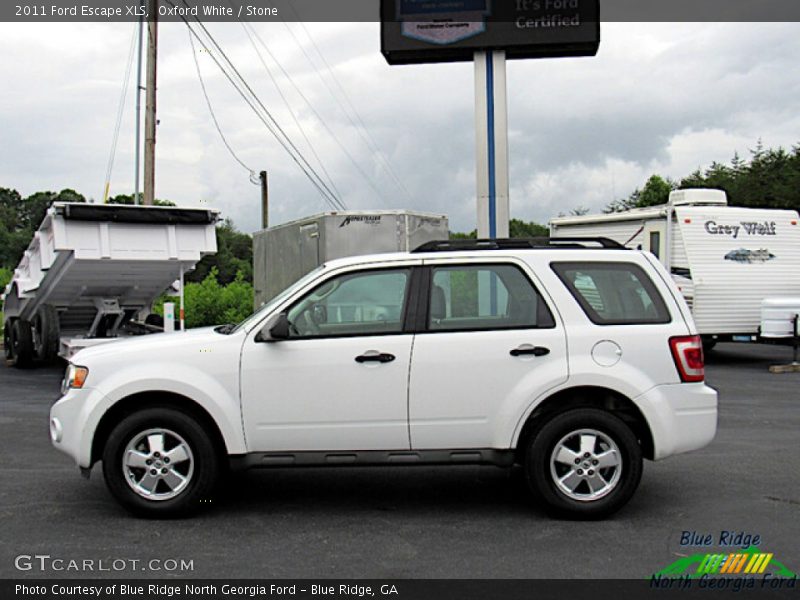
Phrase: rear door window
x=484 y=297
x=613 y=293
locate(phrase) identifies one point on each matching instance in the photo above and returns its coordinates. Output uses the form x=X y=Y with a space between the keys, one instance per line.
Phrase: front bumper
x=682 y=417
x=71 y=425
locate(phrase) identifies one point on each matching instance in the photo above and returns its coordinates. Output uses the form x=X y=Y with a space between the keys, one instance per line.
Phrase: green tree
x=655 y=192
x=234 y=255
x=516 y=229
x=209 y=303
x=770 y=179
x=522 y=229
x=5 y=277
x=20 y=217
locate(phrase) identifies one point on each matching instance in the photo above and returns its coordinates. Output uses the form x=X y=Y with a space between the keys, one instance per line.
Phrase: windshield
x=269 y=306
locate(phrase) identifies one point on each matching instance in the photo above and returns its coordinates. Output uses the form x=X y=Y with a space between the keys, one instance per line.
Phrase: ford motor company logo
x=442 y=21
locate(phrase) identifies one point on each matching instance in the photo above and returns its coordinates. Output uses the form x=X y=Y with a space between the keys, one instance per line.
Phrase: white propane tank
x=778 y=317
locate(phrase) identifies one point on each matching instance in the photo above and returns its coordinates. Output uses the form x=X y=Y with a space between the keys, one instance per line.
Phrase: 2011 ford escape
x=575 y=359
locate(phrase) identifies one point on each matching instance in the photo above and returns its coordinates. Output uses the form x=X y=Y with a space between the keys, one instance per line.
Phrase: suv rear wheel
x=584 y=463
x=160 y=462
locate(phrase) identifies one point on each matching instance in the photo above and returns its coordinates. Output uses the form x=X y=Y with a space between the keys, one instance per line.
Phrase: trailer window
x=655 y=242
x=613 y=293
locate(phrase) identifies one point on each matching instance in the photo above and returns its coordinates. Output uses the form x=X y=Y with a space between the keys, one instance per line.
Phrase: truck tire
x=161 y=462
x=21 y=344
x=584 y=463
x=46 y=333
x=8 y=344
x=708 y=344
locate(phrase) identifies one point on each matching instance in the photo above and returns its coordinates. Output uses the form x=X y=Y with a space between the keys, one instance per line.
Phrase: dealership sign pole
x=491 y=143
x=488 y=32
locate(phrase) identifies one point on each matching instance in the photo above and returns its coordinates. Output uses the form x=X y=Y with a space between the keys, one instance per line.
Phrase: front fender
x=218 y=395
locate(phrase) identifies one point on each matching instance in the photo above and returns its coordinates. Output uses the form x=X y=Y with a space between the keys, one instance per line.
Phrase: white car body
x=446 y=396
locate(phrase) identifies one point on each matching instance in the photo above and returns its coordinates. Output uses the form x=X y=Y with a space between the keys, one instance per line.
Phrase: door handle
x=372 y=356
x=527 y=349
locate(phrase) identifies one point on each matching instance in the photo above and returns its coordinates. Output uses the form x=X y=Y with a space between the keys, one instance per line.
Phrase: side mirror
x=277 y=328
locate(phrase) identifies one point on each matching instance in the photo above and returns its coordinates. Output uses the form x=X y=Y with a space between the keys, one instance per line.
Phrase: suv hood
x=151 y=343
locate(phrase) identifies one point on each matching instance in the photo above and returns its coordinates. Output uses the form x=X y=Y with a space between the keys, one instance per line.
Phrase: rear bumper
x=682 y=417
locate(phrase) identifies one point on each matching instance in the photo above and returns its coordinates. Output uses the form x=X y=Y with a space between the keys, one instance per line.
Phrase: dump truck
x=92 y=270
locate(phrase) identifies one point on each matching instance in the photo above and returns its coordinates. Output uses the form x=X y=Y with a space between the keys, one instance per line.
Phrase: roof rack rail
x=519 y=243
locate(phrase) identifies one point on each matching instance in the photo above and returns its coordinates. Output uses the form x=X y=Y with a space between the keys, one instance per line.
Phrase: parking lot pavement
x=413 y=521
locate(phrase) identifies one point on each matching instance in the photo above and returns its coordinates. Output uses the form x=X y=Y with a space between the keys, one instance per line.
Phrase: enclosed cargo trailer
x=283 y=254
x=90 y=269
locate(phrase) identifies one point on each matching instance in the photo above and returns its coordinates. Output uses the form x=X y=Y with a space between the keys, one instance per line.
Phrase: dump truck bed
x=85 y=256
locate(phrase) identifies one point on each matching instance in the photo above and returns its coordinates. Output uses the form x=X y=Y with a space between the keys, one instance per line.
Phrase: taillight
x=687 y=352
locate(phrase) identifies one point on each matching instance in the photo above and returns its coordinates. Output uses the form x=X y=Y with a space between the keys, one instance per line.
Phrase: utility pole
x=150 y=106
x=264 y=200
x=139 y=88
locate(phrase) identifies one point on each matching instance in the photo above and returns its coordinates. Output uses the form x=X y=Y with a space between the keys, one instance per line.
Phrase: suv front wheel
x=160 y=462
x=584 y=463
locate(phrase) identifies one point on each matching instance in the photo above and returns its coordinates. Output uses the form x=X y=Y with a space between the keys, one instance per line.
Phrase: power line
x=357 y=123
x=120 y=110
x=319 y=117
x=214 y=116
x=294 y=152
x=363 y=131
x=249 y=96
x=286 y=101
x=367 y=178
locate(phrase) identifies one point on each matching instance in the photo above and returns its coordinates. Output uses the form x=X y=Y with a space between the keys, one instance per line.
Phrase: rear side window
x=483 y=297
x=613 y=293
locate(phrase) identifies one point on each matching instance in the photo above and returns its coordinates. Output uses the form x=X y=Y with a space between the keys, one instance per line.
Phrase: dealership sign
x=426 y=31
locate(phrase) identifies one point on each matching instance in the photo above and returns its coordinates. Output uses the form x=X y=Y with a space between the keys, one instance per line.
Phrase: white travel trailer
x=724 y=259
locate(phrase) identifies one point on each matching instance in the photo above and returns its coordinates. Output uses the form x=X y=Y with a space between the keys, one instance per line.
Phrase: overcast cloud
x=665 y=98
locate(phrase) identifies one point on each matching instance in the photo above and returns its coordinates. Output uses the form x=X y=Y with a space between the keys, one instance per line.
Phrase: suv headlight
x=74 y=378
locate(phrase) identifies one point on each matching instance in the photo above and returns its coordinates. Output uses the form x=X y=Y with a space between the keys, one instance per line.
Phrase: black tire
x=708 y=344
x=21 y=344
x=8 y=345
x=46 y=333
x=563 y=430
x=202 y=478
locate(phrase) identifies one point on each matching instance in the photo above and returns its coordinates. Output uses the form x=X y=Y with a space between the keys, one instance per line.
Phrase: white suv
x=574 y=359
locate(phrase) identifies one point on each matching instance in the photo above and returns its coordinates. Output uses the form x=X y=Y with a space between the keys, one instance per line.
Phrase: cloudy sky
x=658 y=98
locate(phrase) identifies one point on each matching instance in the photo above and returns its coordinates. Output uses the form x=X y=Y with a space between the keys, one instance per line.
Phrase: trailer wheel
x=21 y=343
x=8 y=343
x=45 y=333
x=708 y=344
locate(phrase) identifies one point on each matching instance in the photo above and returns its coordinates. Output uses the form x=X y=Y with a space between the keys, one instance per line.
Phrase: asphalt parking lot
x=415 y=522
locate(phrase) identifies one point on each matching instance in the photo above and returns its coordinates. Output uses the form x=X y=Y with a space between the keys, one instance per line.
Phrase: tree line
x=770 y=178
